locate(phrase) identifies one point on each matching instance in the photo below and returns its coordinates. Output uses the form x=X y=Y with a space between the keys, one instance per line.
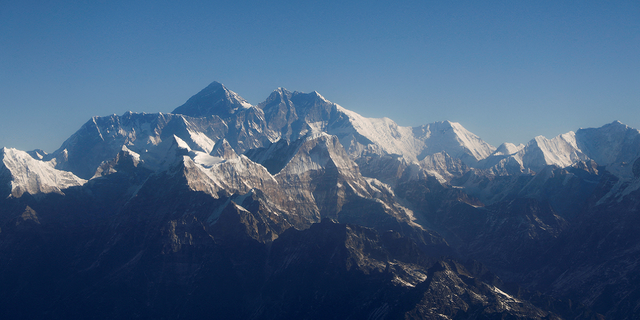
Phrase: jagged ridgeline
x=297 y=208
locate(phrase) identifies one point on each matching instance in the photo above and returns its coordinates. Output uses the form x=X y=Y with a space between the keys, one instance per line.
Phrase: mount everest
x=227 y=202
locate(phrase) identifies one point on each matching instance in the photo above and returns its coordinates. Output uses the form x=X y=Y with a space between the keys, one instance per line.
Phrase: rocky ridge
x=257 y=200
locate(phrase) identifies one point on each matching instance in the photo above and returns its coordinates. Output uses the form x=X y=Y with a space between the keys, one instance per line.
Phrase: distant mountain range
x=299 y=208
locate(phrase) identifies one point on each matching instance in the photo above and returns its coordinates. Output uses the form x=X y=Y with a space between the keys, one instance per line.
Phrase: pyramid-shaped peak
x=508 y=148
x=215 y=84
x=278 y=95
x=223 y=149
x=317 y=94
x=446 y=124
x=453 y=124
x=213 y=88
x=215 y=99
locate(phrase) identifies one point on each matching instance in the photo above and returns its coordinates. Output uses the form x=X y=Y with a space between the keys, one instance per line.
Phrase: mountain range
x=300 y=208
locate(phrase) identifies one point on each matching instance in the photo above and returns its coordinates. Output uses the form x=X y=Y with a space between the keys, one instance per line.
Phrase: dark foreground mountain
x=298 y=208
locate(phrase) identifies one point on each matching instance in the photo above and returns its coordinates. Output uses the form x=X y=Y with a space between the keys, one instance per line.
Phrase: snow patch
x=206 y=160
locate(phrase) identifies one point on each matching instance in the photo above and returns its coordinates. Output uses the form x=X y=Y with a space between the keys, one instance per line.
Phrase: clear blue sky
x=506 y=70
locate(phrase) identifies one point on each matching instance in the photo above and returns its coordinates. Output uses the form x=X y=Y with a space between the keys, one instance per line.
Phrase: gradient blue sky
x=506 y=70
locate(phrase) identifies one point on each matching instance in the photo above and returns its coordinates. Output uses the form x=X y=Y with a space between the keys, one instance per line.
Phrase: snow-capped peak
x=561 y=151
x=215 y=99
x=614 y=145
x=320 y=96
x=507 y=148
x=32 y=176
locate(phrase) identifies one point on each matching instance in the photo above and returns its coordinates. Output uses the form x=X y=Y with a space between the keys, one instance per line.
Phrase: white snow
x=202 y=140
x=508 y=148
x=35 y=176
x=415 y=143
x=212 y=174
x=561 y=151
x=315 y=153
x=614 y=145
x=181 y=143
x=232 y=96
x=134 y=155
x=392 y=138
x=206 y=160
x=505 y=295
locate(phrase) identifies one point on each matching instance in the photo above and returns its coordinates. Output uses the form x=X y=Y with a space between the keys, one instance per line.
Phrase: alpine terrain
x=297 y=208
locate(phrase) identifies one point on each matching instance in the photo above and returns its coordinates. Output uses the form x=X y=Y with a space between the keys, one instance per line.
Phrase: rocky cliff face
x=300 y=208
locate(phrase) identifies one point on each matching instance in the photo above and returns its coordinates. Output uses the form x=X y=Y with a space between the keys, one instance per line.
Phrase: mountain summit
x=215 y=99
